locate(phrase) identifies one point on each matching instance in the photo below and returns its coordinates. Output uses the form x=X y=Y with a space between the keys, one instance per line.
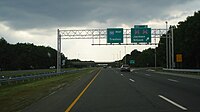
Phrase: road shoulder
x=61 y=99
x=179 y=74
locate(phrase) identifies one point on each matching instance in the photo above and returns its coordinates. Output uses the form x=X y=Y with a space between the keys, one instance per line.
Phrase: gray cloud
x=36 y=21
x=28 y=14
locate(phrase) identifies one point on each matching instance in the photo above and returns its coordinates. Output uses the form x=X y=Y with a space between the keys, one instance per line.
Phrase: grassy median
x=16 y=97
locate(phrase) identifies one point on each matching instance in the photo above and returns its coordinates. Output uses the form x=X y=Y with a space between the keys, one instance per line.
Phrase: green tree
x=26 y=56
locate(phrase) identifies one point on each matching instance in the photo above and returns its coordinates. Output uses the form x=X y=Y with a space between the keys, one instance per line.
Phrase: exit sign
x=140 y=34
x=132 y=62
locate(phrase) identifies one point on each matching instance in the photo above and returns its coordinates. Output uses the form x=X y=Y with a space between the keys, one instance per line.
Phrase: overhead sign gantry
x=139 y=35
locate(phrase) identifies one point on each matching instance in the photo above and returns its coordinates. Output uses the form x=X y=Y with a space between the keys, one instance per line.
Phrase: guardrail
x=18 y=79
x=183 y=70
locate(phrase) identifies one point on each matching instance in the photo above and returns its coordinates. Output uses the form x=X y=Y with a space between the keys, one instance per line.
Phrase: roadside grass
x=14 y=98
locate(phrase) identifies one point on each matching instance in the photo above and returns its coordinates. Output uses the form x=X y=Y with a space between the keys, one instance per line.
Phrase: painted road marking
x=91 y=71
x=131 y=80
x=122 y=75
x=172 y=80
x=150 y=70
x=148 y=75
x=132 y=70
x=172 y=102
x=52 y=93
x=79 y=96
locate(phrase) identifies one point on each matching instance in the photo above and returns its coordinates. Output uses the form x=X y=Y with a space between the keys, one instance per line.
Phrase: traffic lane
x=111 y=93
x=152 y=92
x=189 y=84
x=177 y=92
x=182 y=90
x=186 y=80
x=59 y=100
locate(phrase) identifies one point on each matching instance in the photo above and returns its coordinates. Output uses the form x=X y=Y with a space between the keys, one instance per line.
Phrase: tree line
x=186 y=43
x=22 y=56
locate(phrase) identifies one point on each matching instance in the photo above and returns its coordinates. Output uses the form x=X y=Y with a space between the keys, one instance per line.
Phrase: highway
x=110 y=90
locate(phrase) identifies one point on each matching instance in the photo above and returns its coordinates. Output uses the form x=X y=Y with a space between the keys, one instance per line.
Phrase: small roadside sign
x=132 y=62
x=179 y=58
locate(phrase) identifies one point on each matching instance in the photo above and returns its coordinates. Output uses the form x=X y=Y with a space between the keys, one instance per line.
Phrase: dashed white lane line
x=122 y=75
x=131 y=80
x=173 y=80
x=172 y=102
x=148 y=75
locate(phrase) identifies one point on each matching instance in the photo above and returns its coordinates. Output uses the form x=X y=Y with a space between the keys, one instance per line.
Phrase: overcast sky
x=36 y=21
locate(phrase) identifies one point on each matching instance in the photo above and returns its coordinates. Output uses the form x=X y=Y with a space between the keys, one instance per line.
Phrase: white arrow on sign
x=147 y=39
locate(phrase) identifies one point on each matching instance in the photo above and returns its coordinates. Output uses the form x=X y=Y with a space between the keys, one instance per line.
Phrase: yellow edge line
x=79 y=96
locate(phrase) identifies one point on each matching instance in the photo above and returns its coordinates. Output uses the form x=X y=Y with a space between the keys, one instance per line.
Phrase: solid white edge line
x=170 y=101
x=147 y=75
x=173 y=80
x=132 y=80
x=52 y=93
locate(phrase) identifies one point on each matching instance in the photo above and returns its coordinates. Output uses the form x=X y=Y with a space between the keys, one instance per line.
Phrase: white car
x=125 y=68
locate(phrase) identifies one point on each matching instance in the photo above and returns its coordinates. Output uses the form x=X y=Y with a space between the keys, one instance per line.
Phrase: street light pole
x=120 y=55
x=125 y=53
x=58 y=51
x=155 y=58
x=166 y=46
x=170 y=48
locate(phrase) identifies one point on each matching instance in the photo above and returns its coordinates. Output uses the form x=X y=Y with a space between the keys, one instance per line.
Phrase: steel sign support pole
x=125 y=53
x=170 y=49
x=58 y=51
x=155 y=52
x=172 y=31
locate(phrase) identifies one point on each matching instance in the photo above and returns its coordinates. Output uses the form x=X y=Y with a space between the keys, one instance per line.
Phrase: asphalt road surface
x=110 y=90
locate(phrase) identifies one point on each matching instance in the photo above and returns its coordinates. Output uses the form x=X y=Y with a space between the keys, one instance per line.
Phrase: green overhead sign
x=140 y=26
x=140 y=34
x=115 y=35
x=132 y=62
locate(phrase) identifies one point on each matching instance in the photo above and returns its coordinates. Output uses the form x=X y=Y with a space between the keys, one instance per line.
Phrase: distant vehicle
x=52 y=67
x=104 y=66
x=125 y=68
